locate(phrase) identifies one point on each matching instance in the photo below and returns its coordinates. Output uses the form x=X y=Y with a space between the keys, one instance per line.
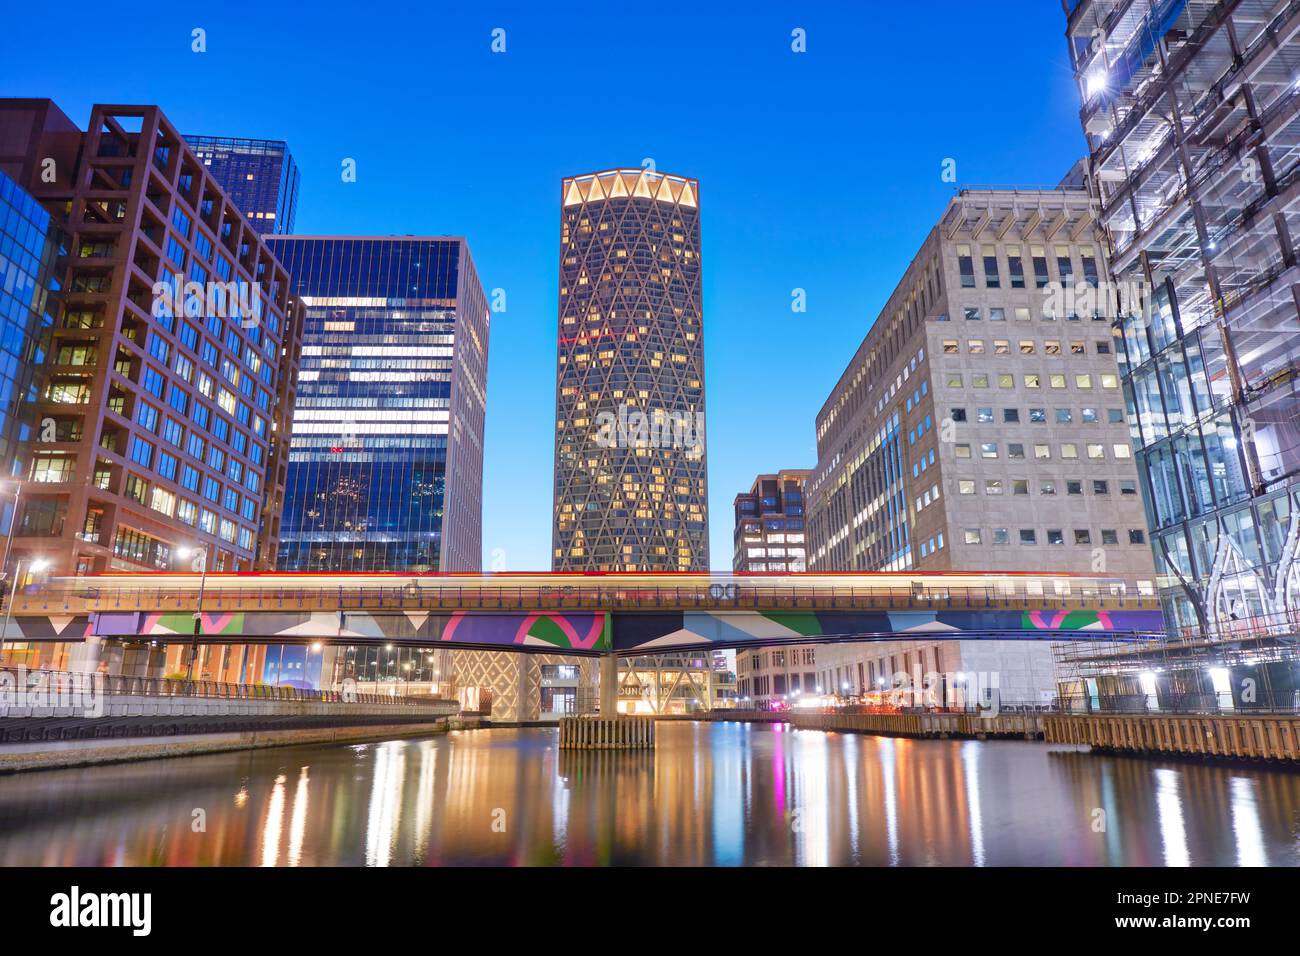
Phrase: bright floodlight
x=38 y=566
x=1095 y=83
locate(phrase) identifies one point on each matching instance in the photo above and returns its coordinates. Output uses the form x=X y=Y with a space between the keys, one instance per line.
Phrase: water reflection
x=728 y=794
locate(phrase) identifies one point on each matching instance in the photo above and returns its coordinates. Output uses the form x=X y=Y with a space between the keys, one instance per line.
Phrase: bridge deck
x=545 y=592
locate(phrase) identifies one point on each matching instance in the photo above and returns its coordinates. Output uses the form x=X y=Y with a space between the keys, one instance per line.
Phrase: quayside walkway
x=78 y=712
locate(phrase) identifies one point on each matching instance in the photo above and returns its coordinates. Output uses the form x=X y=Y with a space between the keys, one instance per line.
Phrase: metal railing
x=1172 y=704
x=123 y=685
x=1164 y=704
x=1046 y=593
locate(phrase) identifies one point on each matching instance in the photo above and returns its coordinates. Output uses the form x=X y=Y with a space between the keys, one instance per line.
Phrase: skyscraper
x=1188 y=109
x=173 y=357
x=386 y=460
x=981 y=427
x=630 y=463
x=259 y=175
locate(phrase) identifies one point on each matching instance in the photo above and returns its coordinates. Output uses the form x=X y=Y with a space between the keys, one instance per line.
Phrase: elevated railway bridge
x=582 y=614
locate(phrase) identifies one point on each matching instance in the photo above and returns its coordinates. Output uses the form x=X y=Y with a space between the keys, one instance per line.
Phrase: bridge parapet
x=541 y=593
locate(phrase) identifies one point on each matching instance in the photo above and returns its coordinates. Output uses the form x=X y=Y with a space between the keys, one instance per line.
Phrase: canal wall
x=50 y=755
x=1229 y=736
x=1225 y=736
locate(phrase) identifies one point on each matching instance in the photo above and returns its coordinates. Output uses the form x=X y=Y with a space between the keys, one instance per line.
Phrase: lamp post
x=9 y=541
x=201 y=554
x=37 y=566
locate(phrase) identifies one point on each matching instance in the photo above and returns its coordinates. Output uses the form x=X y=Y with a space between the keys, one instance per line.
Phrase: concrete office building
x=1189 y=108
x=776 y=677
x=171 y=371
x=769 y=533
x=980 y=427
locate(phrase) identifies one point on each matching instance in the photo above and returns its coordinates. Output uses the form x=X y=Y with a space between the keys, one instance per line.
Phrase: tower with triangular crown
x=630 y=465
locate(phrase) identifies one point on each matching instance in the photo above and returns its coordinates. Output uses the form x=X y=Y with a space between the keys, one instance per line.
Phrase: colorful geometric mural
x=547 y=629
x=552 y=630
x=738 y=628
x=48 y=627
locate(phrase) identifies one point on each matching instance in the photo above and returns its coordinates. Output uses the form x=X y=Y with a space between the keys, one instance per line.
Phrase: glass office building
x=1189 y=113
x=29 y=247
x=29 y=283
x=386 y=458
x=259 y=175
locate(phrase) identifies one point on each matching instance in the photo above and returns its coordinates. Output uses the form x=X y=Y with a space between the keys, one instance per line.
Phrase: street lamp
x=9 y=541
x=36 y=567
x=200 y=554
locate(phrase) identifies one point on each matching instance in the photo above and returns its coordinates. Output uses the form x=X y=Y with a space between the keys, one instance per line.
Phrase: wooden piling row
x=1224 y=735
x=603 y=733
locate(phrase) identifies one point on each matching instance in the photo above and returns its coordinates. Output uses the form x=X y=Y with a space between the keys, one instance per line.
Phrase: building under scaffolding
x=1190 y=112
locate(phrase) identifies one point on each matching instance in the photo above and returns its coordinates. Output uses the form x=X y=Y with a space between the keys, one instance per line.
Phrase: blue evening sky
x=819 y=170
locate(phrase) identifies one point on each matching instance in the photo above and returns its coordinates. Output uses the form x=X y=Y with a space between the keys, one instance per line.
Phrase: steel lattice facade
x=1190 y=111
x=630 y=462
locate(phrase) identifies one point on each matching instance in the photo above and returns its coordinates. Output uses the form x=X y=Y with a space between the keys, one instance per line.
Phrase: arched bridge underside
x=587 y=614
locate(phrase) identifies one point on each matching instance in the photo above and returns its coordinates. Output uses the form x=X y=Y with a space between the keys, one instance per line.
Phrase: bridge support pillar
x=609 y=685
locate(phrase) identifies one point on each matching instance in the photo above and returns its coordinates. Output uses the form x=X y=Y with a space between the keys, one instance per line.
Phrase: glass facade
x=630 y=463
x=385 y=463
x=1201 y=229
x=1228 y=558
x=259 y=175
x=29 y=247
